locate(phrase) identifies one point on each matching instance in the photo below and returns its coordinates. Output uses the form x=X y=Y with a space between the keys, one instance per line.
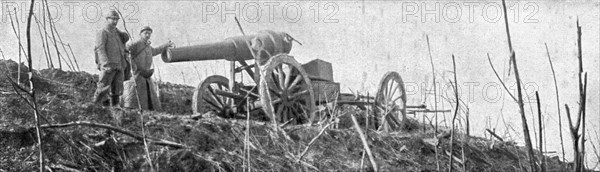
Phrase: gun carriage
x=285 y=90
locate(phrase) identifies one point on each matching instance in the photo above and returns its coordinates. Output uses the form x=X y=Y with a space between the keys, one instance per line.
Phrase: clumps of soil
x=176 y=98
x=214 y=143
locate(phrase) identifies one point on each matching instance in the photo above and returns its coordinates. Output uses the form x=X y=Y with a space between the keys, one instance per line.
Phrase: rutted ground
x=213 y=143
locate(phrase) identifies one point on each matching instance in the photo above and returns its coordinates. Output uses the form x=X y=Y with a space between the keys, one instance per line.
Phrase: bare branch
x=495 y=135
x=455 y=113
x=116 y=129
x=313 y=141
x=557 y=103
x=499 y=79
x=434 y=83
x=513 y=59
x=365 y=143
x=541 y=145
x=52 y=31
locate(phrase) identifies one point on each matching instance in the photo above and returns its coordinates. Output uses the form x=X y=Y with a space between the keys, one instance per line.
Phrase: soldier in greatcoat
x=141 y=82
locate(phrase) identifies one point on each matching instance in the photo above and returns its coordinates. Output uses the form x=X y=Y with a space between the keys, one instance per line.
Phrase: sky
x=365 y=39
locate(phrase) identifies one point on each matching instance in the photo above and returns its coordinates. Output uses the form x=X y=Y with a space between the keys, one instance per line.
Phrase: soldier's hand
x=170 y=44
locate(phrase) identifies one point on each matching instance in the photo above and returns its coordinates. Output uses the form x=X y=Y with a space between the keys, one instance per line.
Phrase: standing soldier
x=141 y=85
x=110 y=60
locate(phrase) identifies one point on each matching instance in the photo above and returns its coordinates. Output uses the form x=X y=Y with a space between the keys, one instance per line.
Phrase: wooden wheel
x=206 y=98
x=290 y=96
x=390 y=102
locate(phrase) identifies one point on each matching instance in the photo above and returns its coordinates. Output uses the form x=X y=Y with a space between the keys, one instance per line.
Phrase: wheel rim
x=206 y=98
x=291 y=94
x=390 y=102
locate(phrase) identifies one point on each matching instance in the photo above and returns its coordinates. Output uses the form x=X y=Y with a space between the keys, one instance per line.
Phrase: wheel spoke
x=293 y=111
x=295 y=82
x=226 y=100
x=276 y=101
x=386 y=88
x=213 y=104
x=276 y=93
x=396 y=99
x=285 y=113
x=392 y=119
x=215 y=96
x=394 y=91
x=278 y=113
x=250 y=93
x=281 y=77
x=274 y=84
x=297 y=95
x=288 y=77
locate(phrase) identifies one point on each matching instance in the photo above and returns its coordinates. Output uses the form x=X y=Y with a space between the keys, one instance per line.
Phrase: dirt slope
x=212 y=143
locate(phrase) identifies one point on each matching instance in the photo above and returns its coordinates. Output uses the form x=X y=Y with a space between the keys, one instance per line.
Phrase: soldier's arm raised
x=160 y=49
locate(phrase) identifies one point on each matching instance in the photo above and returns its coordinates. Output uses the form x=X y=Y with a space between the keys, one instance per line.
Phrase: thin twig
x=541 y=144
x=21 y=48
x=247 y=136
x=116 y=129
x=313 y=141
x=19 y=39
x=434 y=86
x=49 y=61
x=562 y=146
x=455 y=114
x=46 y=53
x=53 y=37
x=499 y=79
x=73 y=67
x=43 y=44
x=595 y=150
x=575 y=139
x=74 y=58
x=137 y=95
x=367 y=116
x=364 y=142
x=56 y=43
x=462 y=149
x=494 y=134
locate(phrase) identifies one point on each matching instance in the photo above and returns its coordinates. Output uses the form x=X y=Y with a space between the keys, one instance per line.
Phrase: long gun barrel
x=233 y=48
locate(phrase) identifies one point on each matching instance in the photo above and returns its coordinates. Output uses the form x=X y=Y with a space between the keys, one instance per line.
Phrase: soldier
x=141 y=84
x=110 y=60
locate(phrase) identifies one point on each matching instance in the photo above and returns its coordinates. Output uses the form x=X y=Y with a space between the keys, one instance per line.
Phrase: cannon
x=285 y=90
x=290 y=89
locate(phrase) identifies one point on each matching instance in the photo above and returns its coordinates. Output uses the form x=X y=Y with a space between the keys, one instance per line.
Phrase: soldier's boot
x=115 y=101
x=98 y=100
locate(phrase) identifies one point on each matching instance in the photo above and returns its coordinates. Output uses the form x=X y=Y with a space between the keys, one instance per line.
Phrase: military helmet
x=113 y=14
x=146 y=28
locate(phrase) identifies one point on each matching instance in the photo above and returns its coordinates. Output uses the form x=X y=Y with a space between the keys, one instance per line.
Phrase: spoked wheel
x=290 y=96
x=390 y=102
x=206 y=97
